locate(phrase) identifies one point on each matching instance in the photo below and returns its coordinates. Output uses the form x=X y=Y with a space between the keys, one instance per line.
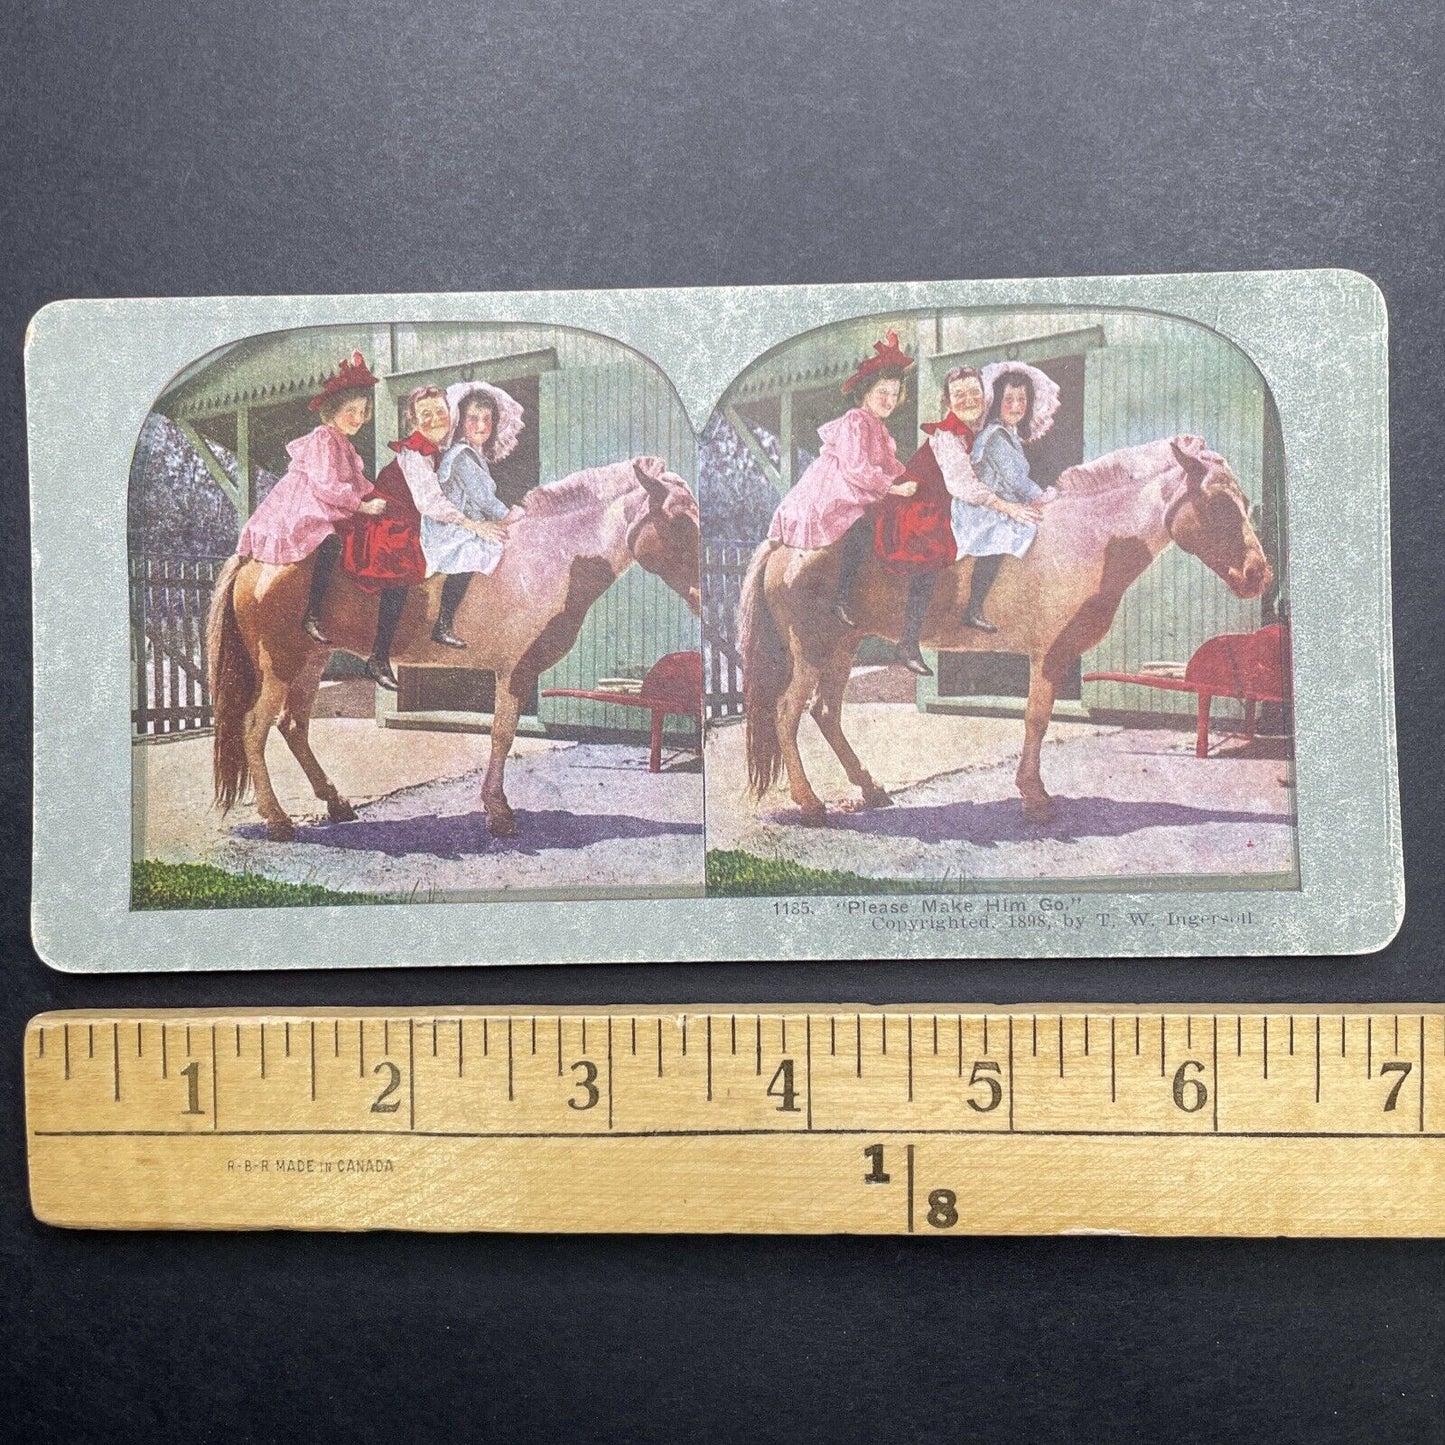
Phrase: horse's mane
x=1127 y=467
x=580 y=490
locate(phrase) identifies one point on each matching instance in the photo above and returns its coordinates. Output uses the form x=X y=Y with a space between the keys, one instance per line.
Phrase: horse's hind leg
x=501 y=820
x=828 y=714
x=801 y=687
x=1038 y=805
x=259 y=721
x=295 y=726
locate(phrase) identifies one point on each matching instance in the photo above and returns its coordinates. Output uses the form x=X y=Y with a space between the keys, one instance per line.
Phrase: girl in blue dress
x=467 y=533
x=1022 y=403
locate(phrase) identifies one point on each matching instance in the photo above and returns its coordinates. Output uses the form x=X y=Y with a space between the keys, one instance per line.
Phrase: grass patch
x=201 y=885
x=735 y=874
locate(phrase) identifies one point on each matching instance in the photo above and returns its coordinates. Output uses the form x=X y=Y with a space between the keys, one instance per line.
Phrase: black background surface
x=180 y=148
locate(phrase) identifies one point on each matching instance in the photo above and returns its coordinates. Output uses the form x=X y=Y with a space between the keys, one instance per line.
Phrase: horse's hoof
x=1039 y=810
x=876 y=797
x=283 y=832
x=338 y=810
x=815 y=817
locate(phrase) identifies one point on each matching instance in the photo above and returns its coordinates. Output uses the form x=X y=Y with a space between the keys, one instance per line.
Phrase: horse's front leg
x=501 y=821
x=259 y=721
x=1038 y=805
x=828 y=714
x=295 y=727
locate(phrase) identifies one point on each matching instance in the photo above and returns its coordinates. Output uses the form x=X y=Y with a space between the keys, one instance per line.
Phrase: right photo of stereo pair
x=997 y=596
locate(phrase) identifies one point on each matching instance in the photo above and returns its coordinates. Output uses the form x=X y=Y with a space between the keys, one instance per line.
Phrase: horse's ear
x=1189 y=453
x=650 y=472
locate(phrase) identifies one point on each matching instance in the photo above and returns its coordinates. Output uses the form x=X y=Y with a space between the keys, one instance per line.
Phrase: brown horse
x=1112 y=518
x=577 y=537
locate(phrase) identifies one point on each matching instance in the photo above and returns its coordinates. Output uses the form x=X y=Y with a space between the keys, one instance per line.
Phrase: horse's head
x=1209 y=516
x=667 y=539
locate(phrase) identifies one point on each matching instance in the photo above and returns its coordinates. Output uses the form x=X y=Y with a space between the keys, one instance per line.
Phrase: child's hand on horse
x=488 y=531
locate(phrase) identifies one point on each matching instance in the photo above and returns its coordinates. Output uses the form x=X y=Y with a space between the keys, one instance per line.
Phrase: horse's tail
x=766 y=669
x=234 y=688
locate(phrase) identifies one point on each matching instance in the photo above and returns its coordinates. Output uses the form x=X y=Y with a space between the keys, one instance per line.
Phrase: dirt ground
x=589 y=816
x=1130 y=803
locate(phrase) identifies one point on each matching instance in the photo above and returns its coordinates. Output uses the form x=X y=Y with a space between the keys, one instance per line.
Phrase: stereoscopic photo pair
x=982 y=596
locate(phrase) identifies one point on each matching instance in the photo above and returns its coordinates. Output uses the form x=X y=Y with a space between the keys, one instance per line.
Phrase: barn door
x=442 y=692
x=590 y=416
x=1186 y=382
x=1005 y=675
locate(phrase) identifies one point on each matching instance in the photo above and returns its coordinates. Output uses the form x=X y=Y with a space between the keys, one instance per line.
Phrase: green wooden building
x=1126 y=377
x=588 y=401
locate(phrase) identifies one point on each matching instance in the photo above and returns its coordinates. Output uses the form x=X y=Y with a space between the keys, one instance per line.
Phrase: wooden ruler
x=792 y=1119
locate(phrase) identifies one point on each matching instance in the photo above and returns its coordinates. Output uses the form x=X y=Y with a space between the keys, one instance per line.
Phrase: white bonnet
x=509 y=416
x=1046 y=393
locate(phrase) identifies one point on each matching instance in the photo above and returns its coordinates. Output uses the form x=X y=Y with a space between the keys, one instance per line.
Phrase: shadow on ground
x=465 y=835
x=1001 y=820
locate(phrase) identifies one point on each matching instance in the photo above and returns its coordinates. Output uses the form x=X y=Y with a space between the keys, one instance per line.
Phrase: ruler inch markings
x=807 y=1069
x=758 y=1132
x=1011 y=1073
x=111 y=1149
x=1214 y=1026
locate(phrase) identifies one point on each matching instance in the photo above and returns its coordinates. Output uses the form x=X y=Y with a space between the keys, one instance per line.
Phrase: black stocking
x=920 y=594
x=388 y=613
x=985 y=569
x=453 y=590
x=855 y=549
x=326 y=555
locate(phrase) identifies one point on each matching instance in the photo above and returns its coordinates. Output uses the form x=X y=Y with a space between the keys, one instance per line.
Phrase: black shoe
x=311 y=626
x=841 y=613
x=378 y=669
x=443 y=634
x=978 y=621
x=912 y=659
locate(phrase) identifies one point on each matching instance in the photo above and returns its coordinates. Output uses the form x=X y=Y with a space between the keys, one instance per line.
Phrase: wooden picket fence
x=169 y=599
x=723 y=567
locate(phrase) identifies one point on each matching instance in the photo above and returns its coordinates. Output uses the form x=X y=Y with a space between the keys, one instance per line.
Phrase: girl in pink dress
x=324 y=486
x=857 y=469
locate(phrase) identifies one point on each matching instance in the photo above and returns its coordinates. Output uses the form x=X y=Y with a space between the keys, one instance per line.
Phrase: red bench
x=672 y=688
x=1251 y=666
